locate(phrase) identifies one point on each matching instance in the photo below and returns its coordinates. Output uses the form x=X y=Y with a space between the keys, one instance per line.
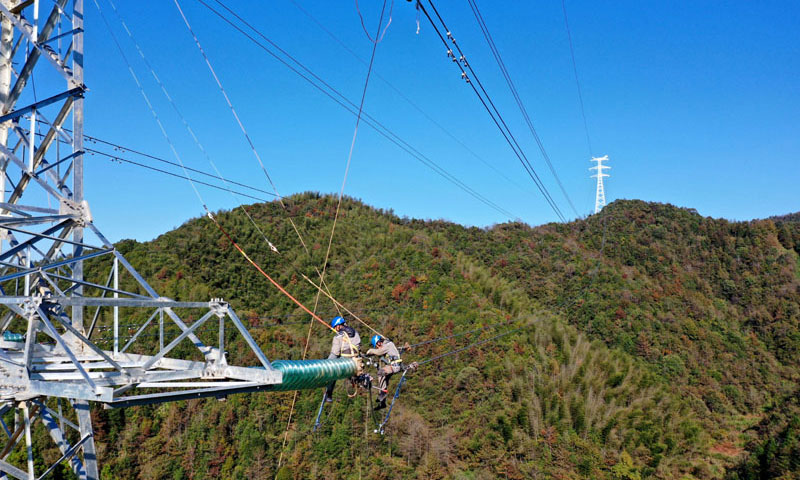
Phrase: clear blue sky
x=696 y=103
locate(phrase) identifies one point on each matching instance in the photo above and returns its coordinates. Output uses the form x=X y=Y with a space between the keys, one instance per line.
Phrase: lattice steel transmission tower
x=600 y=195
x=62 y=283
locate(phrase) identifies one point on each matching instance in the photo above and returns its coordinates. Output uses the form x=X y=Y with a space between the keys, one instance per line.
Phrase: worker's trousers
x=384 y=374
x=329 y=388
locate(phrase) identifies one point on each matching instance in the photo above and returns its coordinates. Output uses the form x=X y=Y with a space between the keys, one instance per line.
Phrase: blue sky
x=696 y=103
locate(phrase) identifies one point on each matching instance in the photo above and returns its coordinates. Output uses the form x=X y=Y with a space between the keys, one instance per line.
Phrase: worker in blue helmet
x=384 y=348
x=345 y=344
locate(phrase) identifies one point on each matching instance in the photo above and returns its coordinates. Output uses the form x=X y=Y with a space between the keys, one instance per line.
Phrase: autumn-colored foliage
x=652 y=336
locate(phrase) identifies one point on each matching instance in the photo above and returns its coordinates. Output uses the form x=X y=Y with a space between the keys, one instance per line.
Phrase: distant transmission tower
x=600 y=196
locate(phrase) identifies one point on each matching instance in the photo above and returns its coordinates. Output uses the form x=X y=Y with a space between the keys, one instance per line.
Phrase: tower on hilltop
x=600 y=196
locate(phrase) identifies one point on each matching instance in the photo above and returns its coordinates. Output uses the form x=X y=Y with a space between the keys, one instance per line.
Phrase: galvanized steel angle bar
x=26 y=176
x=47 y=410
x=175 y=318
x=30 y=340
x=45 y=235
x=28 y=208
x=44 y=146
x=15 y=472
x=85 y=421
x=35 y=237
x=98 y=286
x=26 y=29
x=66 y=348
x=140 y=330
x=41 y=103
x=50 y=281
x=67 y=455
x=53 y=428
x=177 y=340
x=87 y=342
x=249 y=340
x=77 y=301
x=69 y=390
x=62 y=35
x=59 y=162
x=97 y=310
x=12 y=441
x=55 y=127
x=150 y=399
x=48 y=266
x=33 y=58
x=11 y=208
x=32 y=220
x=3 y=423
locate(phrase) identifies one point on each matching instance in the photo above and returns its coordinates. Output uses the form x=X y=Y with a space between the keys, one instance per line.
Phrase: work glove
x=411 y=367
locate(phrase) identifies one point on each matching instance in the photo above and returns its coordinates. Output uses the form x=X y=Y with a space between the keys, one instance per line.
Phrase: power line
x=493 y=112
x=577 y=81
x=399 y=92
x=163 y=160
x=518 y=150
x=186 y=125
x=150 y=105
x=496 y=53
x=119 y=147
x=332 y=93
x=165 y=172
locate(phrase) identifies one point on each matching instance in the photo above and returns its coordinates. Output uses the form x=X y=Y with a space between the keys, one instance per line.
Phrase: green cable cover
x=306 y=374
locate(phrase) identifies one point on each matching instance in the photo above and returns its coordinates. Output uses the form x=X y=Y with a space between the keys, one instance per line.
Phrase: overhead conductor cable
x=186 y=125
x=150 y=107
x=399 y=92
x=341 y=194
x=496 y=53
x=247 y=136
x=199 y=197
x=488 y=104
x=318 y=83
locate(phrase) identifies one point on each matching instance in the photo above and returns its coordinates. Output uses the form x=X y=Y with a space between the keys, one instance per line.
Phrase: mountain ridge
x=645 y=317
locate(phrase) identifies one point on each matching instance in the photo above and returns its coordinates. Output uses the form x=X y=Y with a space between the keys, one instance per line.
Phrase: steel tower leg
x=89 y=452
x=51 y=357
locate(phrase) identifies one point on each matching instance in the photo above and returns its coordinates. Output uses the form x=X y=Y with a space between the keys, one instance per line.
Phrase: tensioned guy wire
x=150 y=106
x=188 y=127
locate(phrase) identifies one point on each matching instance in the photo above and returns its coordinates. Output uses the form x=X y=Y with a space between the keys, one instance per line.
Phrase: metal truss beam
x=51 y=360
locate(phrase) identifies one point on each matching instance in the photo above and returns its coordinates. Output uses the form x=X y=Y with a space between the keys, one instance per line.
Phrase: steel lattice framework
x=51 y=312
x=600 y=194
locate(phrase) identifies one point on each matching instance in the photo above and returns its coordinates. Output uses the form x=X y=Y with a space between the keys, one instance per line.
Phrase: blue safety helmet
x=337 y=321
x=375 y=339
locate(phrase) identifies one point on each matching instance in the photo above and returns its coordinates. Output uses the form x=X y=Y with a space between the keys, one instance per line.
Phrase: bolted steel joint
x=31 y=306
x=219 y=307
x=78 y=210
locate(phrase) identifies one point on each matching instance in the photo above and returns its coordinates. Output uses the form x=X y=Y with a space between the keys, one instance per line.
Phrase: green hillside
x=655 y=343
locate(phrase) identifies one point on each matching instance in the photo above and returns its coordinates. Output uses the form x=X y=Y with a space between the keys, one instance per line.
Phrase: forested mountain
x=652 y=343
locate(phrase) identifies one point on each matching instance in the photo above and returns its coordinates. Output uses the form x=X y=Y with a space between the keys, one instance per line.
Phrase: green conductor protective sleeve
x=306 y=374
